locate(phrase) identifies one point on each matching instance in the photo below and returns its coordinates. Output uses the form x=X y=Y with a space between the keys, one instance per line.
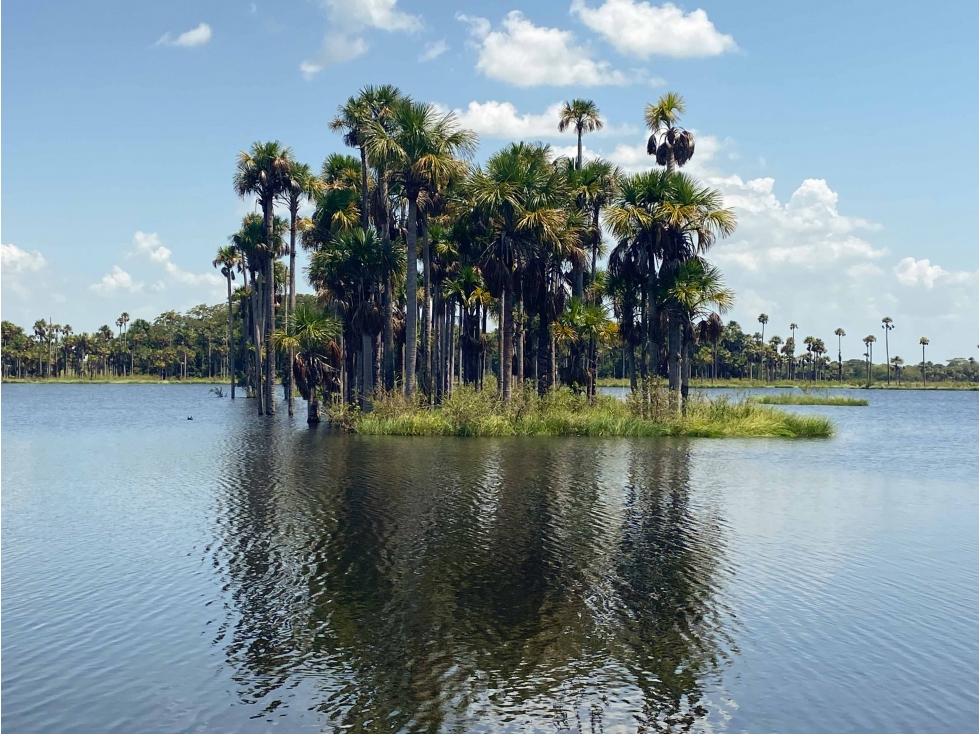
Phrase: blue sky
x=843 y=133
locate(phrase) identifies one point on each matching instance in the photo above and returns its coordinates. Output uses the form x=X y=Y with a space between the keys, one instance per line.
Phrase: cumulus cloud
x=194 y=37
x=349 y=20
x=911 y=272
x=117 y=281
x=643 y=30
x=526 y=55
x=14 y=260
x=433 y=50
x=149 y=244
x=494 y=119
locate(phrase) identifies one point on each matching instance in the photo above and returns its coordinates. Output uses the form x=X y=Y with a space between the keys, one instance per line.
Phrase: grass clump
x=564 y=413
x=807 y=399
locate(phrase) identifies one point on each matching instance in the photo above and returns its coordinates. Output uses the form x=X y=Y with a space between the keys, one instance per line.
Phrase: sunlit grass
x=562 y=413
x=809 y=399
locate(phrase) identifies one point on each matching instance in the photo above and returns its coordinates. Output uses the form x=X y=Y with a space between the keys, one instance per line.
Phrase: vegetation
x=806 y=399
x=433 y=274
x=468 y=412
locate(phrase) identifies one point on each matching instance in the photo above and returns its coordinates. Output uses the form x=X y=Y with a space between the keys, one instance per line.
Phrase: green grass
x=739 y=383
x=561 y=413
x=806 y=399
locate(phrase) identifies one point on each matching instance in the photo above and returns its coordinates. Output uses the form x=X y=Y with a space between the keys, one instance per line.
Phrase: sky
x=843 y=135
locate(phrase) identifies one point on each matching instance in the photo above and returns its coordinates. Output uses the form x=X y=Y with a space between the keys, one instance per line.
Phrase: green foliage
x=563 y=413
x=807 y=399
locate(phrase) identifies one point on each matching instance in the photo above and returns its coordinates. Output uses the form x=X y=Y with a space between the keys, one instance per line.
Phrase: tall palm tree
x=792 y=327
x=584 y=117
x=301 y=185
x=423 y=150
x=672 y=145
x=228 y=259
x=869 y=343
x=310 y=340
x=887 y=324
x=763 y=319
x=923 y=341
x=697 y=288
x=263 y=171
x=372 y=106
x=839 y=350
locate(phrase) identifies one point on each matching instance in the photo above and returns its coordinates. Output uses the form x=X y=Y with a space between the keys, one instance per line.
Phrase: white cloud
x=349 y=19
x=336 y=49
x=14 y=260
x=433 y=50
x=911 y=272
x=643 y=30
x=150 y=245
x=115 y=282
x=194 y=37
x=526 y=55
x=494 y=119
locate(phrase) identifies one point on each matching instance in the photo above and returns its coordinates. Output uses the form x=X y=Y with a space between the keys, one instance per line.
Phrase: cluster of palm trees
x=513 y=244
x=173 y=345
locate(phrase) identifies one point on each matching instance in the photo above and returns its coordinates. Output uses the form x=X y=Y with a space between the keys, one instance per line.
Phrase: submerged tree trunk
x=291 y=311
x=231 y=341
x=257 y=341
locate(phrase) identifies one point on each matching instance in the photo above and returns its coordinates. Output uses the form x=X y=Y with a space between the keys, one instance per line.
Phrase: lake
x=230 y=573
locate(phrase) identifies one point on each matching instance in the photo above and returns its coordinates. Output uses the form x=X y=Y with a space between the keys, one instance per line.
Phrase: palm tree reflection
x=449 y=585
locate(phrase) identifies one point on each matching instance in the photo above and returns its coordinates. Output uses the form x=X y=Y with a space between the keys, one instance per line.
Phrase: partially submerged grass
x=806 y=399
x=563 y=413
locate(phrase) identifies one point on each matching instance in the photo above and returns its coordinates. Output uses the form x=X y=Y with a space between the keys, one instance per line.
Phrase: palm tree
x=869 y=343
x=372 y=106
x=897 y=362
x=310 y=340
x=422 y=149
x=792 y=327
x=763 y=319
x=264 y=172
x=923 y=341
x=301 y=185
x=887 y=323
x=672 y=145
x=228 y=259
x=839 y=350
x=697 y=287
x=583 y=116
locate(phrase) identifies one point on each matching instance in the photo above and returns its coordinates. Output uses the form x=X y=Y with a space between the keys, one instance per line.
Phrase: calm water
x=216 y=575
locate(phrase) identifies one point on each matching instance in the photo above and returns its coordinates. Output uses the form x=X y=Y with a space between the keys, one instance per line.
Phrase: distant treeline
x=175 y=346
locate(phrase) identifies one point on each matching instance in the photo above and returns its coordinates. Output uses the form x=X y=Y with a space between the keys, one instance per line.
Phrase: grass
x=562 y=413
x=806 y=399
x=739 y=383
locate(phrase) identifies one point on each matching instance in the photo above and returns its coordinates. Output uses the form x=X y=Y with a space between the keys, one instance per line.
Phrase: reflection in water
x=456 y=585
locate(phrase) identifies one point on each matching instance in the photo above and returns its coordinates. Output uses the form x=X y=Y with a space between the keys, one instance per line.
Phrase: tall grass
x=563 y=413
x=807 y=399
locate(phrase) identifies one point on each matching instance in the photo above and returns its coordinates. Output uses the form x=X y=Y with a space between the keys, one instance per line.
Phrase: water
x=229 y=573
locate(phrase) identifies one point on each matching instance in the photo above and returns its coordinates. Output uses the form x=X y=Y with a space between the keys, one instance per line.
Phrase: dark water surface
x=216 y=575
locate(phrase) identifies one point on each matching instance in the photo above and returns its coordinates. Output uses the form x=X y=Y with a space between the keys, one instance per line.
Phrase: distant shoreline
x=739 y=384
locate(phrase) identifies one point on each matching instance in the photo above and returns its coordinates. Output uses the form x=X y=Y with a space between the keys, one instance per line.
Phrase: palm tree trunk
x=388 y=303
x=231 y=343
x=257 y=341
x=291 y=306
x=363 y=189
x=506 y=344
x=411 y=296
x=520 y=339
x=578 y=159
x=675 y=339
x=426 y=310
x=367 y=371
x=269 y=327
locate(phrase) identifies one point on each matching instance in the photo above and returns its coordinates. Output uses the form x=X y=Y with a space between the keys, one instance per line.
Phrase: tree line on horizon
x=505 y=264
